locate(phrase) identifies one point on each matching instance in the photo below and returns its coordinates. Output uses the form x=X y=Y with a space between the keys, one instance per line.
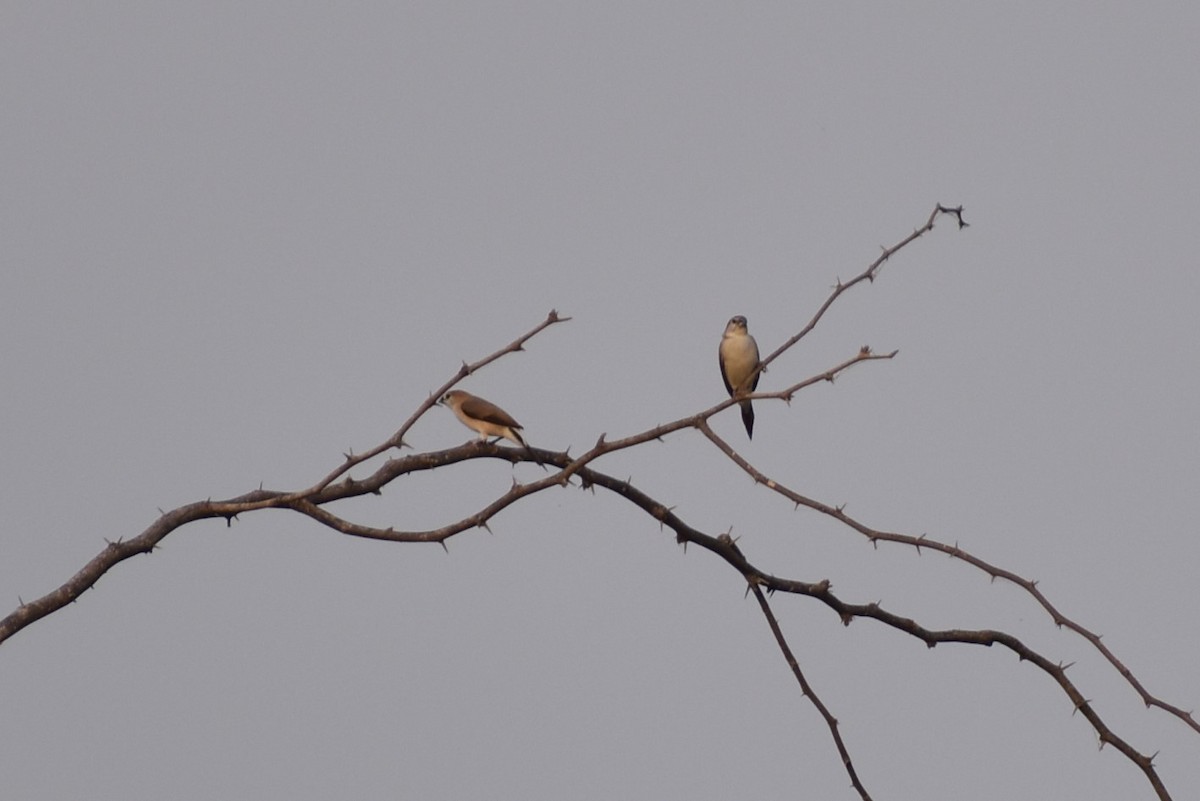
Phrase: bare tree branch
x=569 y=471
x=866 y=275
x=954 y=551
x=807 y=689
x=117 y=552
x=821 y=591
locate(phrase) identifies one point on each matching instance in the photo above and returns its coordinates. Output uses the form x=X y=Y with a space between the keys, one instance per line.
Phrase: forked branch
x=566 y=470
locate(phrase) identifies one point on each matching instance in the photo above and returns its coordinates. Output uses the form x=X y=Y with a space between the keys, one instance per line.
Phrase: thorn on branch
x=443 y=544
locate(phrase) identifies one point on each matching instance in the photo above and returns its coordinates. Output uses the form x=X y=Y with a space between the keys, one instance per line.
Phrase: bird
x=483 y=416
x=738 y=355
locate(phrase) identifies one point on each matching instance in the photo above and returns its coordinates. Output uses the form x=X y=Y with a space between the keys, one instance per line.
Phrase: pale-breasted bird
x=738 y=355
x=483 y=416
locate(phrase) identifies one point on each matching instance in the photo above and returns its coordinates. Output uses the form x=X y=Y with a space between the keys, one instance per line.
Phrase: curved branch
x=116 y=552
x=727 y=549
x=955 y=552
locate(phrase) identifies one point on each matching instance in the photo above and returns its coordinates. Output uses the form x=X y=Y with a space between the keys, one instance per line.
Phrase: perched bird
x=483 y=416
x=738 y=355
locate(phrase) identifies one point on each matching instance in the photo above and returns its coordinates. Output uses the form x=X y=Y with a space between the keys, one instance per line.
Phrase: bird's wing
x=488 y=412
x=724 y=375
x=754 y=381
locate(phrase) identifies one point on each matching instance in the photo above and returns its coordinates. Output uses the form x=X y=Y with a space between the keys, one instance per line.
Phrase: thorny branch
x=807 y=689
x=338 y=484
x=874 y=536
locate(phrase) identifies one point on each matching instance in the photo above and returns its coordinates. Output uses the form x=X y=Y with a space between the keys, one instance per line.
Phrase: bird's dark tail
x=748 y=418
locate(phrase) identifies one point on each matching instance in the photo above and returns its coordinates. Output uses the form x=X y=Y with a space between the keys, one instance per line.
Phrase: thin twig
x=866 y=275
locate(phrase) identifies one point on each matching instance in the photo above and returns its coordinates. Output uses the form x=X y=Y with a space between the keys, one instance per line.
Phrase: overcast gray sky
x=240 y=239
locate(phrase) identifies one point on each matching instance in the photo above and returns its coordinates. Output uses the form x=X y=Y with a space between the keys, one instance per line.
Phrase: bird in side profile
x=483 y=416
x=738 y=356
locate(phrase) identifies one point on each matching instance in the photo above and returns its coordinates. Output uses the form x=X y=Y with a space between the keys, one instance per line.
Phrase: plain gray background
x=239 y=239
